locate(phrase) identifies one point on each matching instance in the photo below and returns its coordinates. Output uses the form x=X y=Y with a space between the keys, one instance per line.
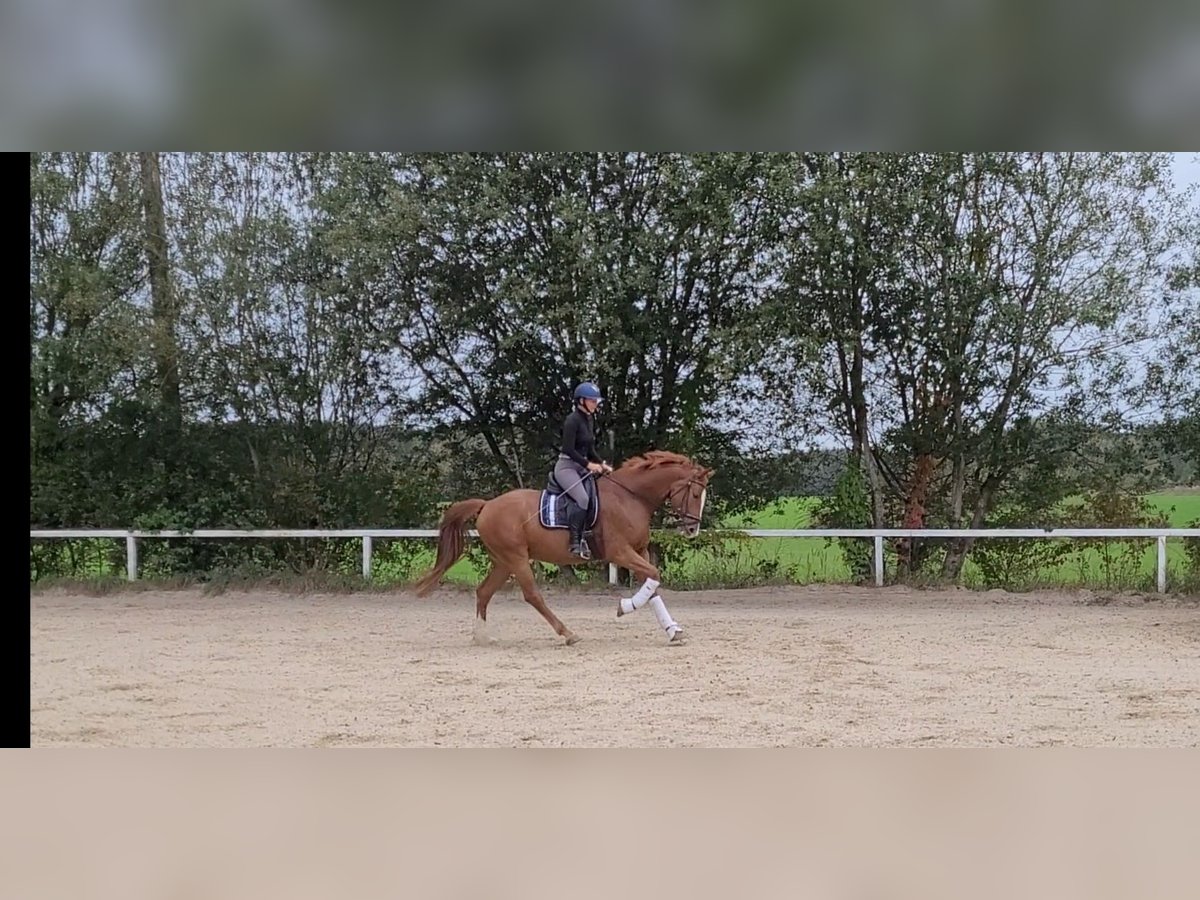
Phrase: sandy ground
x=816 y=666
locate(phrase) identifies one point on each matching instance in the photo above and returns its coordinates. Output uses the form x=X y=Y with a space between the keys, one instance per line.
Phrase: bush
x=713 y=558
x=1107 y=562
x=849 y=506
x=1120 y=562
x=1019 y=562
x=1192 y=549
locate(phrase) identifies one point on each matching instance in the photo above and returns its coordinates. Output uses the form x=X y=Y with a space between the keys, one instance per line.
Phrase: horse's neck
x=650 y=485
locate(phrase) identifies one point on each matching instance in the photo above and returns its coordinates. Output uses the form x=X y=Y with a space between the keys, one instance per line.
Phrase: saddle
x=552 y=507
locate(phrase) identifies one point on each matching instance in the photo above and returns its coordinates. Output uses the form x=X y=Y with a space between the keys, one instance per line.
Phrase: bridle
x=684 y=518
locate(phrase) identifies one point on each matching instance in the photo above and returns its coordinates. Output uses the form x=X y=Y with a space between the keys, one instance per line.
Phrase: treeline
x=330 y=340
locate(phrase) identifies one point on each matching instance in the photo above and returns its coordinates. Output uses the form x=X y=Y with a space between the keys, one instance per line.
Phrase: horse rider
x=576 y=459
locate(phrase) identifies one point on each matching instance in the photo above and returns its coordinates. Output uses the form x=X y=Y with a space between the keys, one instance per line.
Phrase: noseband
x=686 y=518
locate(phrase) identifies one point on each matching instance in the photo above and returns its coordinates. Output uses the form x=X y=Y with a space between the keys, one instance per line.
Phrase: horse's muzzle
x=691 y=529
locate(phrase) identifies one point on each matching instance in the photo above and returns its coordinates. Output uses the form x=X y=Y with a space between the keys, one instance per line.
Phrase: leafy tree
x=936 y=307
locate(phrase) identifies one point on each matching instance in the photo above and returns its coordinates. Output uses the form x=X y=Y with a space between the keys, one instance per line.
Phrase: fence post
x=1162 y=563
x=366 y=561
x=612 y=573
x=131 y=560
x=879 y=560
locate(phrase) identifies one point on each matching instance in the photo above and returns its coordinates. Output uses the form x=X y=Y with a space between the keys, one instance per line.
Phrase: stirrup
x=581 y=549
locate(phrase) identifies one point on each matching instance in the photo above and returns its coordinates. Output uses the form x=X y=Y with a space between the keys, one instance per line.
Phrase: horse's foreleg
x=647 y=593
x=673 y=629
x=641 y=568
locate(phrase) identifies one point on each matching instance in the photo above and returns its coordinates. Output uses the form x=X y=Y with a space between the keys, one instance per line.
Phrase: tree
x=1173 y=374
x=85 y=267
x=952 y=301
x=506 y=279
x=163 y=302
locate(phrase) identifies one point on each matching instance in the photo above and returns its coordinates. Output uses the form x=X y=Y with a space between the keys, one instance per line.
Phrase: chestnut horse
x=511 y=532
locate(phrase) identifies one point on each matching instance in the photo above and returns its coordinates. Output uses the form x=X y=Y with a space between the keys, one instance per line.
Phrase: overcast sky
x=1186 y=169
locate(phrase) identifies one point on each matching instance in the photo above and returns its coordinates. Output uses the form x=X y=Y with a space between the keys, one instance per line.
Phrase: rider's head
x=587 y=396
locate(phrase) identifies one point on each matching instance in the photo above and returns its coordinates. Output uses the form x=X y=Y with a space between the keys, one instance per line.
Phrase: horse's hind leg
x=493 y=582
x=483 y=595
x=524 y=575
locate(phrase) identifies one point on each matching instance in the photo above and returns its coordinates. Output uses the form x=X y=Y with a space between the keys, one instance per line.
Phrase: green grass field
x=1181 y=506
x=797 y=560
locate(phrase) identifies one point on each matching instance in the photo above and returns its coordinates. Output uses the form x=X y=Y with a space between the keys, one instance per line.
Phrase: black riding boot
x=577 y=519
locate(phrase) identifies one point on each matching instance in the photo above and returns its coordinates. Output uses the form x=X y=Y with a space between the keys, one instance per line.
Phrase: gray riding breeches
x=570 y=475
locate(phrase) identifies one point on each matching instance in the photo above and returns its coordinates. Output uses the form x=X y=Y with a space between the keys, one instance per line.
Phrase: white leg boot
x=673 y=629
x=638 y=600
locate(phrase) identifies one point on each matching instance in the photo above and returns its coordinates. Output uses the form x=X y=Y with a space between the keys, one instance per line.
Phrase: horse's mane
x=654 y=459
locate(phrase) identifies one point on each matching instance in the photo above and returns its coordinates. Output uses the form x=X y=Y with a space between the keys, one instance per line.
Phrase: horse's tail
x=452 y=541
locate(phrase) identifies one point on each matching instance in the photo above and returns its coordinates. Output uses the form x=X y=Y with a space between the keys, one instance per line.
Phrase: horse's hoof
x=676 y=639
x=572 y=639
x=481 y=636
x=620 y=612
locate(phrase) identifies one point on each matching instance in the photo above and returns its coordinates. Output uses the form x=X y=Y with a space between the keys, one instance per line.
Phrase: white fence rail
x=366 y=535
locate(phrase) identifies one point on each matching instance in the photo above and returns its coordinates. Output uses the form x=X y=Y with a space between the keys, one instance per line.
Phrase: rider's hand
x=606 y=467
x=595 y=467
